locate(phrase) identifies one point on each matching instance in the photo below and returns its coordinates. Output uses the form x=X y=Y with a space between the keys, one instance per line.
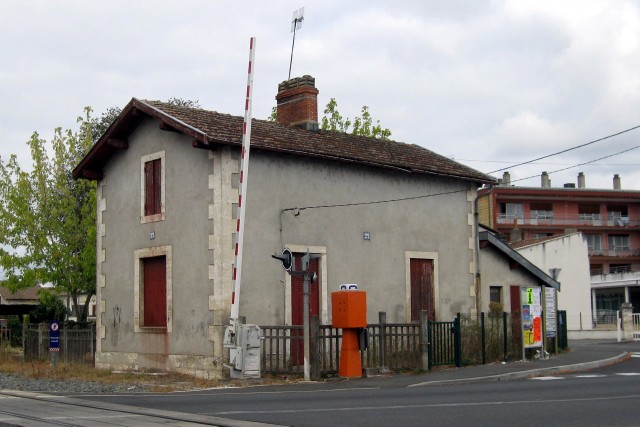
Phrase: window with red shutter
x=153 y=187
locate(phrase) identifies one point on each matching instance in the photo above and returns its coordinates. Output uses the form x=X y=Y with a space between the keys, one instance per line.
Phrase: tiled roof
x=543 y=278
x=210 y=128
x=28 y=294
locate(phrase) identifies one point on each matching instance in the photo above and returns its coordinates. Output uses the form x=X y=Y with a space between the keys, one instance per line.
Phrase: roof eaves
x=547 y=280
x=172 y=121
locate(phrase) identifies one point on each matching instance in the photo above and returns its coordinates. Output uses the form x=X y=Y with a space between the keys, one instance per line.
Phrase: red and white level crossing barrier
x=244 y=172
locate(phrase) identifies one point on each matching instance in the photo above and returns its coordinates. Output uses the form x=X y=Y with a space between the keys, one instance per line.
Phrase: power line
x=566 y=150
x=580 y=164
x=541 y=163
x=296 y=211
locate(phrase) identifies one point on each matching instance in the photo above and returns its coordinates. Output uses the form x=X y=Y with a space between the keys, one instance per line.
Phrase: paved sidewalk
x=583 y=355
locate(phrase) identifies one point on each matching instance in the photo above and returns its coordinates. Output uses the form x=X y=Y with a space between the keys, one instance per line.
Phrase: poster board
x=550 y=319
x=531 y=300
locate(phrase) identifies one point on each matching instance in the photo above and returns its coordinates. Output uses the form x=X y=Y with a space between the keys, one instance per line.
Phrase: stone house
x=395 y=218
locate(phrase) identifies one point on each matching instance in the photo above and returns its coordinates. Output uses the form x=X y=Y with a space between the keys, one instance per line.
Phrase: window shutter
x=157 y=186
x=153 y=187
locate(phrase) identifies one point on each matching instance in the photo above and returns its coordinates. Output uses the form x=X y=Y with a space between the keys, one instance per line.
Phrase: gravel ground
x=17 y=382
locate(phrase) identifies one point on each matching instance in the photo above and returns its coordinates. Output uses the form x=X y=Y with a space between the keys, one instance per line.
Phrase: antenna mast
x=296 y=23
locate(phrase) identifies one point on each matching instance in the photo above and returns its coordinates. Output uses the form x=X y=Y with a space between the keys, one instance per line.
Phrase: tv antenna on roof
x=296 y=23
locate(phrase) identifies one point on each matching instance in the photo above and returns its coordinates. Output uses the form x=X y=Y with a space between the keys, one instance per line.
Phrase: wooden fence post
x=484 y=339
x=504 y=335
x=40 y=356
x=65 y=339
x=24 y=342
x=382 y=316
x=424 y=339
x=314 y=336
x=92 y=337
x=458 y=340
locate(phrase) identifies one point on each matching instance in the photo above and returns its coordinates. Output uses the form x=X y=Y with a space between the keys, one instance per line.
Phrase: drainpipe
x=477 y=279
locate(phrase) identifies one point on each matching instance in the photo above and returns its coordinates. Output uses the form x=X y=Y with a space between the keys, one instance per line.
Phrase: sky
x=488 y=83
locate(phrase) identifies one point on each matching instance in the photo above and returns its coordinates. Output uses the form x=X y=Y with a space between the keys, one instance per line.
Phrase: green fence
x=445 y=343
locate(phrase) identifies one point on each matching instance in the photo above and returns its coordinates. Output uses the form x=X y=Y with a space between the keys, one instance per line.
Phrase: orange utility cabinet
x=349 y=312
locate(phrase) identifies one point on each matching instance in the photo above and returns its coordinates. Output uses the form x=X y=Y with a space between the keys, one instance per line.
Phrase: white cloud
x=482 y=80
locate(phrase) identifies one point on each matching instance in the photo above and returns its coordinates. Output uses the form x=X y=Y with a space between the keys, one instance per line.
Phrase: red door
x=422 y=295
x=297 y=306
x=516 y=319
x=155 y=291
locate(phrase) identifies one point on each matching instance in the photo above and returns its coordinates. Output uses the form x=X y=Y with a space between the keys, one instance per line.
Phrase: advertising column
x=531 y=317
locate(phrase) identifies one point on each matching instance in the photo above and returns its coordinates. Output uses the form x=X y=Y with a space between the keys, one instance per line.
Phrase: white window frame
x=594 y=241
x=144 y=159
x=512 y=210
x=619 y=242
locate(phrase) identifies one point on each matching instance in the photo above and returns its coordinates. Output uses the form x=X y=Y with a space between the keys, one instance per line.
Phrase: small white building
x=569 y=255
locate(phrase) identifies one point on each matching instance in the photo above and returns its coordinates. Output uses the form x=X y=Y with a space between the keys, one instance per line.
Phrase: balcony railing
x=617 y=252
x=567 y=220
x=619 y=269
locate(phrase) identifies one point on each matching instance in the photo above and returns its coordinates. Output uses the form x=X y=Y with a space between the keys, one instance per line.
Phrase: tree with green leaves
x=50 y=307
x=362 y=125
x=333 y=120
x=47 y=219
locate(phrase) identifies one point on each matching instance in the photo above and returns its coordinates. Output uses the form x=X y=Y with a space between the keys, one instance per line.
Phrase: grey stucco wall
x=428 y=224
x=185 y=228
x=496 y=271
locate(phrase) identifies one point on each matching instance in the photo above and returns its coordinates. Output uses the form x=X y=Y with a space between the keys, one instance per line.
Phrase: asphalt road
x=607 y=396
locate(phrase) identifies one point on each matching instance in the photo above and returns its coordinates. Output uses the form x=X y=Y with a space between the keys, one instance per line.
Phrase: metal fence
x=604 y=318
x=490 y=337
x=76 y=345
x=481 y=338
x=445 y=343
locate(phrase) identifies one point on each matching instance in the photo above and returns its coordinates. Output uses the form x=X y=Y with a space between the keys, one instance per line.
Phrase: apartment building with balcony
x=609 y=220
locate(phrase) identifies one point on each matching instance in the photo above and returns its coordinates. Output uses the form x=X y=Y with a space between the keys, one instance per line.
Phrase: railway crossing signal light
x=286 y=258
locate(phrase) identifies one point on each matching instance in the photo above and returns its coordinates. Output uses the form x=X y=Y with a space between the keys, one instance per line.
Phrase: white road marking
x=628 y=374
x=426 y=405
x=546 y=378
x=590 y=376
x=211 y=392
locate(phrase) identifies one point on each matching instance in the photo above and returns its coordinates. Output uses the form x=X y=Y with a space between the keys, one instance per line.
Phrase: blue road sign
x=54 y=336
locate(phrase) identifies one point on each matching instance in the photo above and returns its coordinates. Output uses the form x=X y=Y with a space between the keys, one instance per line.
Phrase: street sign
x=54 y=336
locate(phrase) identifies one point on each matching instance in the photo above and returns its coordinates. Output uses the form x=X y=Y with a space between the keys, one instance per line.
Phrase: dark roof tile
x=212 y=128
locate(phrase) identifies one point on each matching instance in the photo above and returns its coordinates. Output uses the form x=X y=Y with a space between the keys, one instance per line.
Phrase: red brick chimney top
x=297 y=103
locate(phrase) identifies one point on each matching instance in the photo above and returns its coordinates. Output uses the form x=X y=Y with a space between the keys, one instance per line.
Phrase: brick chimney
x=297 y=103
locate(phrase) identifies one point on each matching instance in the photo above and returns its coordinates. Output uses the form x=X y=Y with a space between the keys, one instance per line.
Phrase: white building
x=569 y=254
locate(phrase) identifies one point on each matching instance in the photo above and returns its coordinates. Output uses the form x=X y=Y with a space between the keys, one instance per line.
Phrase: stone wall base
x=198 y=366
